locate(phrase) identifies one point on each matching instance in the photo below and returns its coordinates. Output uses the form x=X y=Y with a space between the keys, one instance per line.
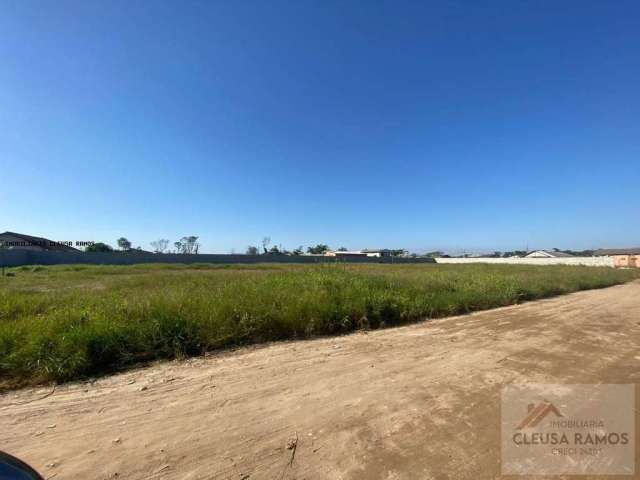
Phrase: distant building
x=547 y=254
x=383 y=252
x=344 y=253
x=359 y=253
x=622 y=257
x=20 y=241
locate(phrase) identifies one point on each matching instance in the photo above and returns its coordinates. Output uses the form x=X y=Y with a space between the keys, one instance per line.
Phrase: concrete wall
x=10 y=258
x=13 y=258
x=588 y=261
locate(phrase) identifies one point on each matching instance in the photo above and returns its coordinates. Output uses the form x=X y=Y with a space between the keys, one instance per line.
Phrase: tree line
x=186 y=245
x=319 y=249
x=267 y=249
x=190 y=245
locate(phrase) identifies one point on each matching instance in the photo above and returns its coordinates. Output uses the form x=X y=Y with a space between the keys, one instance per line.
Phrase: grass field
x=65 y=322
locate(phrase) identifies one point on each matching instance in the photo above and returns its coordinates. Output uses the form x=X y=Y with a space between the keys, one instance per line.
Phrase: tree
x=266 y=241
x=434 y=254
x=252 y=250
x=298 y=251
x=124 y=244
x=188 y=245
x=319 y=249
x=159 y=246
x=99 y=247
x=342 y=249
x=398 y=252
x=274 y=250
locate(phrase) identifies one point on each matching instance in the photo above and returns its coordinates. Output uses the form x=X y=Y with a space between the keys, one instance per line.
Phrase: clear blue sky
x=423 y=125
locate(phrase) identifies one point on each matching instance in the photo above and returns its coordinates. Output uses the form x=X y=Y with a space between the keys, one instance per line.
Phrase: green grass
x=66 y=322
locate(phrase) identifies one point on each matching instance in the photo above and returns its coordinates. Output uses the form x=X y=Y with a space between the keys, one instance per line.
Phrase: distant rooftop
x=31 y=241
x=603 y=252
x=548 y=253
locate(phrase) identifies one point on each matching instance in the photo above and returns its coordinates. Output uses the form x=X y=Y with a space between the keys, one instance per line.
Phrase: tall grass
x=65 y=322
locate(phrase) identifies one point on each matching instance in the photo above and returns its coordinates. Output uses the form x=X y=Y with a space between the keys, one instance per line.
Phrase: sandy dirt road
x=416 y=402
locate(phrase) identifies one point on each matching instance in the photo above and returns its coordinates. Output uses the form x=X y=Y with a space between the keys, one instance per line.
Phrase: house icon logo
x=537 y=413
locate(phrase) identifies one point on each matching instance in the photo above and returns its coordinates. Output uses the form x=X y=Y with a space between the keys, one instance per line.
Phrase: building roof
x=551 y=253
x=45 y=243
x=560 y=254
x=616 y=251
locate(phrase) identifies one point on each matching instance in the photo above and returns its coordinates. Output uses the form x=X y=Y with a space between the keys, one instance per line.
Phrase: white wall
x=588 y=261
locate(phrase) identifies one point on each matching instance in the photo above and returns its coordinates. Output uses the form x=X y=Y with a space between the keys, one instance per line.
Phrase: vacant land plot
x=416 y=402
x=60 y=323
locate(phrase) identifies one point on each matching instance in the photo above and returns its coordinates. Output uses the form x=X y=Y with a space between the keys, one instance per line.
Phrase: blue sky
x=419 y=125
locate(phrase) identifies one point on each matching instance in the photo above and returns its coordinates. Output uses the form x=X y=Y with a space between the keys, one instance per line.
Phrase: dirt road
x=417 y=402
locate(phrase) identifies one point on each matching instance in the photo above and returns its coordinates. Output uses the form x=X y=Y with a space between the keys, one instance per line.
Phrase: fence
x=14 y=258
